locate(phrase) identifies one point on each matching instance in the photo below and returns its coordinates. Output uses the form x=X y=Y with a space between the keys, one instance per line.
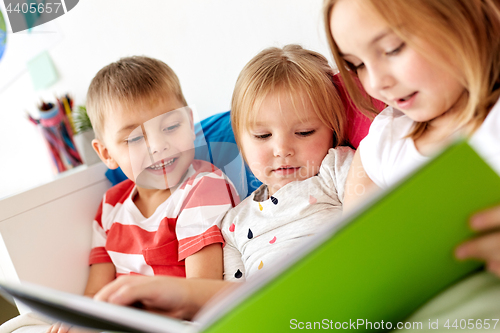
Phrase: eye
x=134 y=139
x=307 y=133
x=352 y=67
x=262 y=136
x=396 y=50
x=171 y=128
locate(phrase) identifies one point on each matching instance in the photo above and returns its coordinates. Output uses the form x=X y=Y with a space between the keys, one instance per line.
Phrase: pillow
x=357 y=123
x=221 y=150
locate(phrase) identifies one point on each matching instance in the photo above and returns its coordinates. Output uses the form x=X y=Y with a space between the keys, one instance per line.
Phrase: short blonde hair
x=293 y=70
x=130 y=82
x=465 y=34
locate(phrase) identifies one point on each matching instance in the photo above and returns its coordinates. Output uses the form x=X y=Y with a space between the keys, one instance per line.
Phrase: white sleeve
x=373 y=148
x=343 y=160
x=335 y=167
x=234 y=269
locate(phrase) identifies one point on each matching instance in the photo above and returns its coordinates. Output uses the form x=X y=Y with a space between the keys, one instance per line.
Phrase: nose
x=283 y=147
x=157 y=142
x=379 y=77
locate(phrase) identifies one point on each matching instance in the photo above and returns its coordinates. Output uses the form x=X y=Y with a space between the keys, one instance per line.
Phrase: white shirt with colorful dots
x=262 y=230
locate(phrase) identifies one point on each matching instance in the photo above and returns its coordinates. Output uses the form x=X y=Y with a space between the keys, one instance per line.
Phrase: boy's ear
x=103 y=154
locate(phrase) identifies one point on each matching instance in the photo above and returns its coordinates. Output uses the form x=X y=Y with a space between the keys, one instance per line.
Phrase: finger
x=485 y=220
x=111 y=288
x=54 y=328
x=133 y=291
x=494 y=267
x=63 y=328
x=485 y=248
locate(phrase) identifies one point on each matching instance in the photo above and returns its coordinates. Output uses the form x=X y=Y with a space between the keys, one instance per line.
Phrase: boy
x=163 y=220
x=165 y=223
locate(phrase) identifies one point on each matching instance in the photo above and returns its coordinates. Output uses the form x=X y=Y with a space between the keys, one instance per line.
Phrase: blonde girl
x=436 y=64
x=287 y=117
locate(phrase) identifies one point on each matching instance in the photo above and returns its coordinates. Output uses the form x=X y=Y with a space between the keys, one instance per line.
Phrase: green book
x=380 y=263
x=389 y=257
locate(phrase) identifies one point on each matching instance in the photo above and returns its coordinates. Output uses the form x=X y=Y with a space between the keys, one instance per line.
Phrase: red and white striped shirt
x=181 y=226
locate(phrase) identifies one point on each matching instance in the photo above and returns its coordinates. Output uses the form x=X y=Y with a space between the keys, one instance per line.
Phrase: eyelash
x=172 y=128
x=139 y=138
x=353 y=68
x=396 y=51
x=267 y=135
x=134 y=140
x=262 y=136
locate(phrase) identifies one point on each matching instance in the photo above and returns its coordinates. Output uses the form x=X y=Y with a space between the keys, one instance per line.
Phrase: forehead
x=283 y=107
x=121 y=117
x=355 y=23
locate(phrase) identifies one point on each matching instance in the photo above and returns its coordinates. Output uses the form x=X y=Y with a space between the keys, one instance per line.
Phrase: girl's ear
x=103 y=154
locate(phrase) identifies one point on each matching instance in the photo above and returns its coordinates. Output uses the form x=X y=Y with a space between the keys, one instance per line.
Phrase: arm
x=358 y=184
x=486 y=246
x=171 y=296
x=99 y=276
x=206 y=263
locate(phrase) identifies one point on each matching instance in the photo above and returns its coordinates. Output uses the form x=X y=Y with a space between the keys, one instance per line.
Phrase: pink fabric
x=357 y=123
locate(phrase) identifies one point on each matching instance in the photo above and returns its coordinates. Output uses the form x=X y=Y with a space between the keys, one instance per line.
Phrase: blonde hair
x=465 y=35
x=292 y=70
x=130 y=82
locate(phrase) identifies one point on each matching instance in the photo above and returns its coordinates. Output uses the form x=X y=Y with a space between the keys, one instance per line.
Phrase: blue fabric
x=115 y=176
x=215 y=143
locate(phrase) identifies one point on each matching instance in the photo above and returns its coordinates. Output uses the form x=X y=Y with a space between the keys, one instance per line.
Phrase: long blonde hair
x=464 y=33
x=294 y=71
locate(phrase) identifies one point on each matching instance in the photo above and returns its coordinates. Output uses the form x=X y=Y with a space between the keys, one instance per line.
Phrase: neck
x=148 y=200
x=446 y=123
x=148 y=194
x=442 y=130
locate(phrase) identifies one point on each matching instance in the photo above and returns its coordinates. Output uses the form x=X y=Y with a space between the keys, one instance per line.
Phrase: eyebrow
x=263 y=124
x=258 y=124
x=378 y=37
x=133 y=126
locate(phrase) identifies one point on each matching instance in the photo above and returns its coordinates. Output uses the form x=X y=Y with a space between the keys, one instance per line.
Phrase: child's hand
x=64 y=328
x=171 y=296
x=163 y=294
x=485 y=247
x=59 y=328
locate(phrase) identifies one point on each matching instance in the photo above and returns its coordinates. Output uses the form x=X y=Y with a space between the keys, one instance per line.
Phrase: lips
x=286 y=170
x=164 y=166
x=404 y=99
x=406 y=102
x=285 y=167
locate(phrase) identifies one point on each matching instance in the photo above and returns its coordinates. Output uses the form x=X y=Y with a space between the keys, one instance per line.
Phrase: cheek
x=365 y=82
x=416 y=70
x=136 y=152
x=316 y=155
x=316 y=152
x=184 y=139
x=255 y=158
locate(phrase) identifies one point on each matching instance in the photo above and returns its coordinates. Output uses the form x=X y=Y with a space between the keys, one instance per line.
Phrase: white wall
x=205 y=42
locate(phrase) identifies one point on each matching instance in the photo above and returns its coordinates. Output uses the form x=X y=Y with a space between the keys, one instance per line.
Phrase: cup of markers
x=56 y=130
